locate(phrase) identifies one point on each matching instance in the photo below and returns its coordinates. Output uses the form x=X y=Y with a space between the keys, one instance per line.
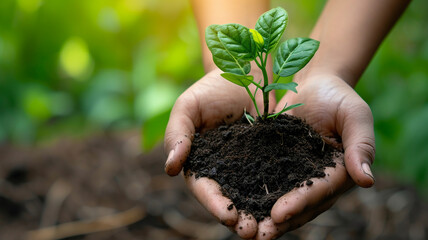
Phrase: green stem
x=253 y=99
x=265 y=94
x=262 y=66
x=257 y=85
x=257 y=62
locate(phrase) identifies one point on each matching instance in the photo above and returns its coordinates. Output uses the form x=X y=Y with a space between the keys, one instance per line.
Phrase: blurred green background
x=75 y=67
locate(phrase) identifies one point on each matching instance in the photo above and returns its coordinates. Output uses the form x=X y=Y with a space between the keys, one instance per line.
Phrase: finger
x=302 y=219
x=207 y=192
x=269 y=230
x=298 y=200
x=356 y=128
x=179 y=134
x=246 y=228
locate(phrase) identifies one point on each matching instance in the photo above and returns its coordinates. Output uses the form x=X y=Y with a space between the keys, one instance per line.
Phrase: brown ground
x=103 y=188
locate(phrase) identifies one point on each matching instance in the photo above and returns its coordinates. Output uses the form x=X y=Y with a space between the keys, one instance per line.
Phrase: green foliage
x=76 y=67
x=233 y=47
x=281 y=86
x=293 y=55
x=271 y=25
x=238 y=41
x=225 y=59
x=285 y=109
x=241 y=80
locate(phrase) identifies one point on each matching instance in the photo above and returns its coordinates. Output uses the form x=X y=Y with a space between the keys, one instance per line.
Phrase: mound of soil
x=256 y=164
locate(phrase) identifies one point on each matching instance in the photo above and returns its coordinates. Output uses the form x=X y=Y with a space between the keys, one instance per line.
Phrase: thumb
x=358 y=140
x=178 y=136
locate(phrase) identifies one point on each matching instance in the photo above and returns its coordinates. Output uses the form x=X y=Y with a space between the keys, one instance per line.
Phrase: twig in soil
x=267 y=191
x=323 y=144
x=57 y=193
x=89 y=226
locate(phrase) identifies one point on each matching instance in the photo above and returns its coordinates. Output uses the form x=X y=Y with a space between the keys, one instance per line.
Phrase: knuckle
x=367 y=147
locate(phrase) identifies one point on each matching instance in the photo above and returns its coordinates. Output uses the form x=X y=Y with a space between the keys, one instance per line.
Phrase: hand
x=208 y=103
x=333 y=109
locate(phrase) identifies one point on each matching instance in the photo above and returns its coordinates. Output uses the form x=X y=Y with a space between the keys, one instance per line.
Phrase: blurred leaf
x=109 y=110
x=37 y=104
x=29 y=6
x=155 y=99
x=153 y=129
x=61 y=103
x=75 y=58
x=145 y=64
x=108 y=19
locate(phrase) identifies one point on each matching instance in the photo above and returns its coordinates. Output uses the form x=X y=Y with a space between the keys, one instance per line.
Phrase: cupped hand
x=208 y=103
x=334 y=110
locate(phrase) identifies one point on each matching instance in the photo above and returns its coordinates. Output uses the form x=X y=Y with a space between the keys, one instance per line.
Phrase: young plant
x=234 y=46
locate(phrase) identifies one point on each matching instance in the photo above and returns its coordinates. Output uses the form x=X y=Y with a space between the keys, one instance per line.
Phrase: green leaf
x=237 y=40
x=285 y=109
x=271 y=26
x=241 y=80
x=249 y=118
x=291 y=107
x=222 y=57
x=281 y=86
x=293 y=55
x=258 y=39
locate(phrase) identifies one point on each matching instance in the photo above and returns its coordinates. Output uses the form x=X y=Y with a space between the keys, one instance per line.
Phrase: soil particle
x=255 y=165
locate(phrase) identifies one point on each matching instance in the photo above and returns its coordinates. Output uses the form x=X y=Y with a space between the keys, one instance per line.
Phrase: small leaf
x=249 y=118
x=291 y=107
x=281 y=86
x=271 y=26
x=237 y=40
x=241 y=80
x=221 y=55
x=284 y=110
x=293 y=55
x=258 y=39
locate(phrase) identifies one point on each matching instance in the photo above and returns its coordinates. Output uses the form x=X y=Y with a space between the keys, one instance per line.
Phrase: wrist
x=313 y=71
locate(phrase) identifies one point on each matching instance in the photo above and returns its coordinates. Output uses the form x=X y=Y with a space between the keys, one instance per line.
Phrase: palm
x=210 y=102
x=330 y=106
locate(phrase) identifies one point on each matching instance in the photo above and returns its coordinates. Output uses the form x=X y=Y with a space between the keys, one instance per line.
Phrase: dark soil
x=256 y=164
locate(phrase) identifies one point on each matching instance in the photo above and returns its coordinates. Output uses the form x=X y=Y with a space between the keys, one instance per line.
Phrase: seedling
x=234 y=46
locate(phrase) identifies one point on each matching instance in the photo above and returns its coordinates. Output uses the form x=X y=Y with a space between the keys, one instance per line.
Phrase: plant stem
x=265 y=83
x=253 y=99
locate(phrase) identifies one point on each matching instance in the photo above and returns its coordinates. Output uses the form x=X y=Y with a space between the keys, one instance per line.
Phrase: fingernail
x=367 y=171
